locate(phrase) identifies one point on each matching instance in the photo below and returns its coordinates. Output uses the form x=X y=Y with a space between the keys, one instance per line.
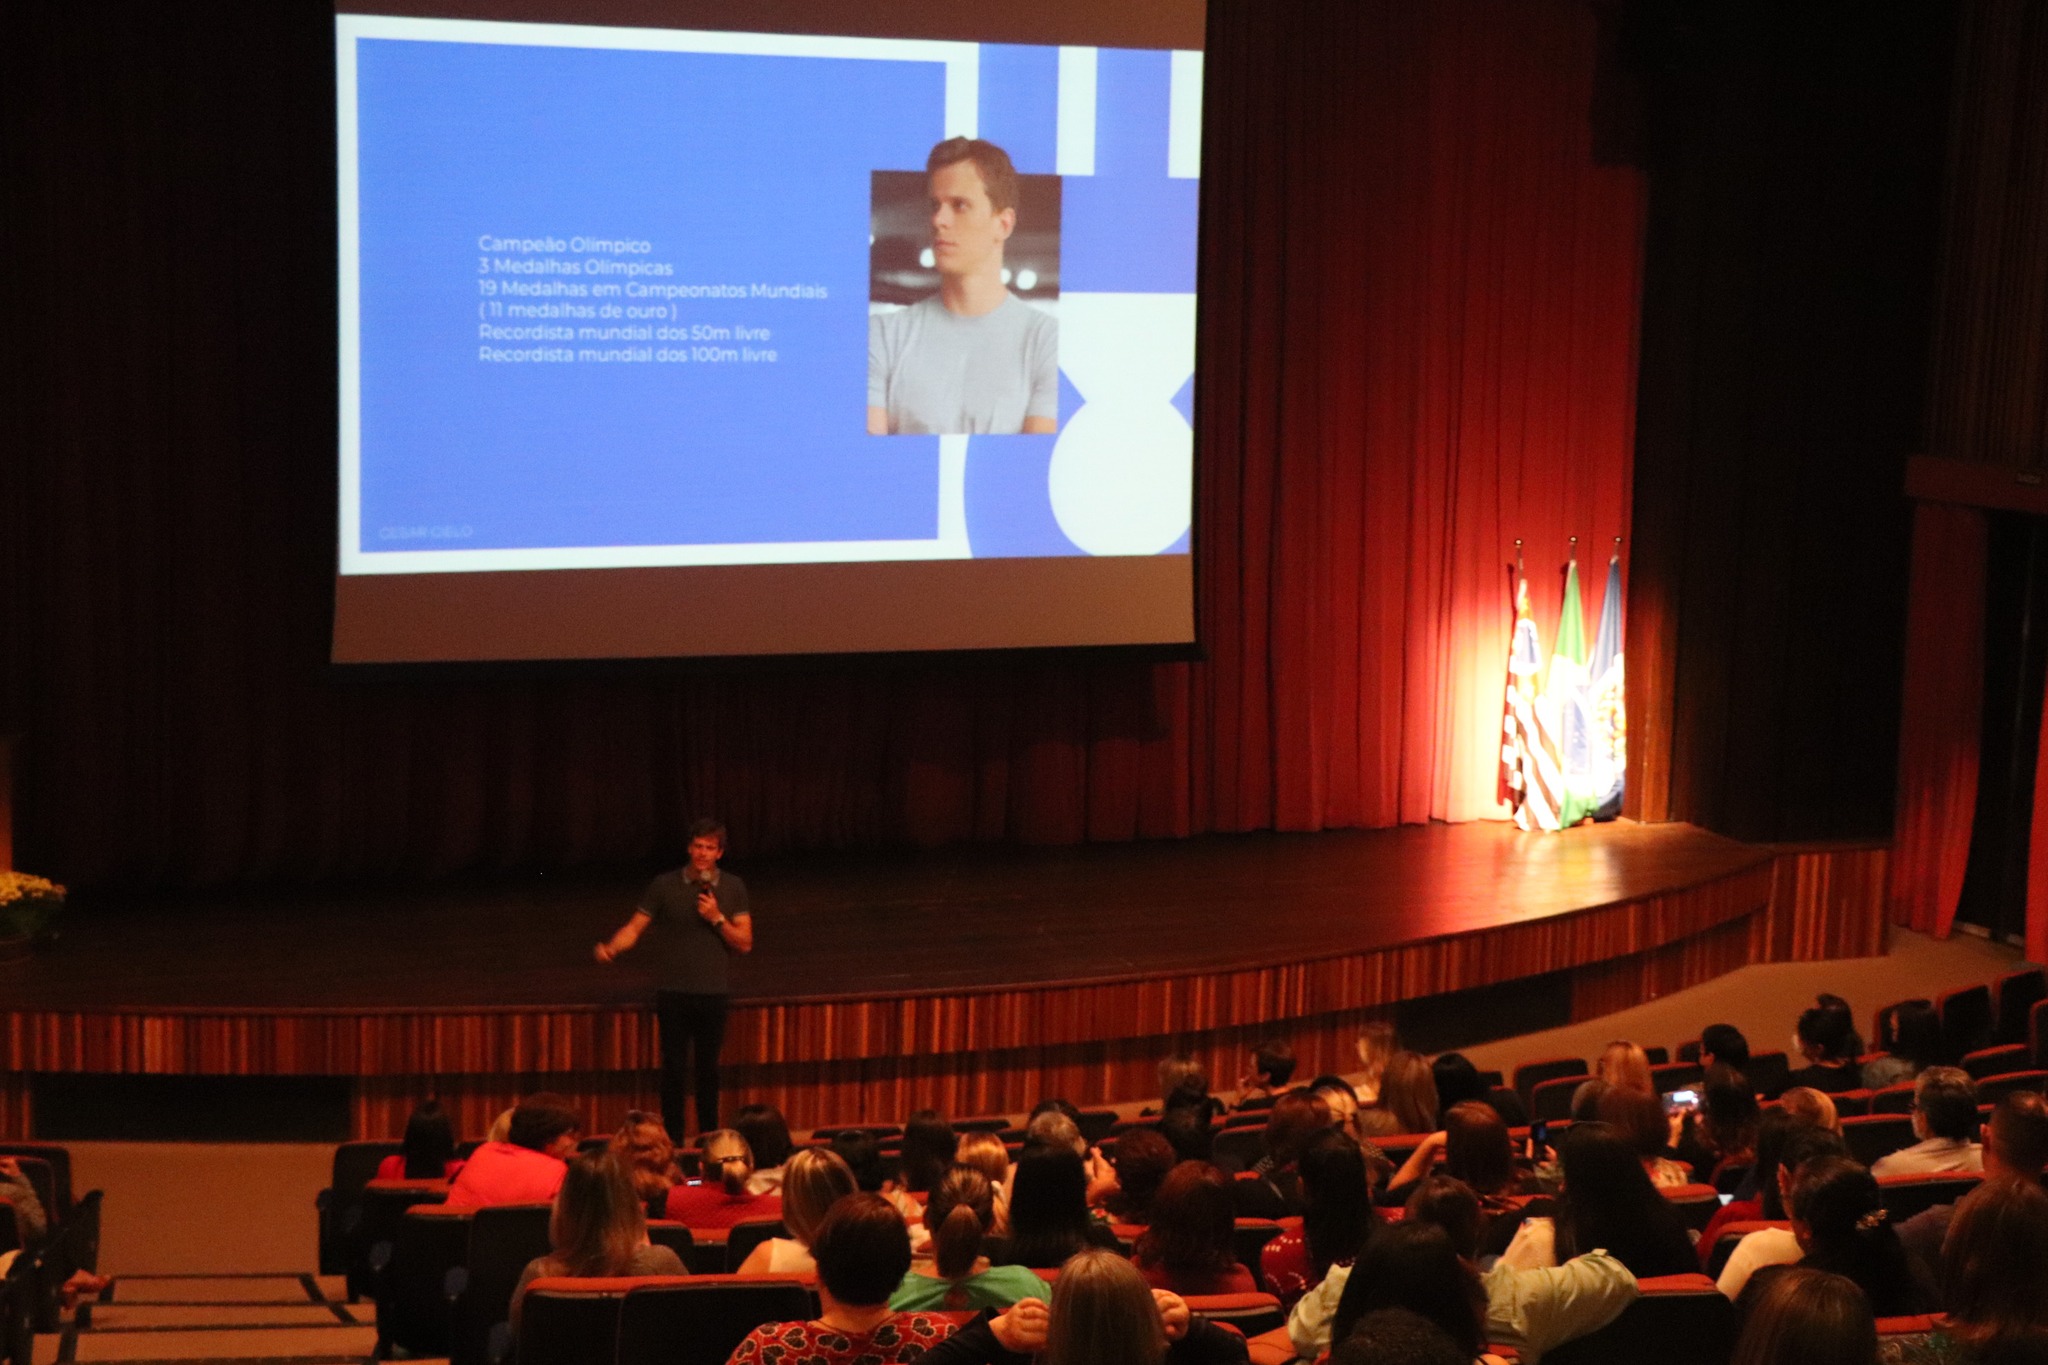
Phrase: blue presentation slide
x=608 y=297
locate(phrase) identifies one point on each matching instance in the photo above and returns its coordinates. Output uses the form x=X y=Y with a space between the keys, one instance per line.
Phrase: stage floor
x=869 y=924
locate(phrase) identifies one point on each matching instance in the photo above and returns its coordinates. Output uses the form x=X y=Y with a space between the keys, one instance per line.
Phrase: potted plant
x=29 y=907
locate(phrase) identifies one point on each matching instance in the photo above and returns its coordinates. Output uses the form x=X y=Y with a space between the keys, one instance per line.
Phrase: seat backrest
x=413 y=1310
x=1851 y=1103
x=502 y=1240
x=2016 y=994
x=571 y=1322
x=1872 y=1136
x=1531 y=1074
x=1893 y=1099
x=1997 y=1060
x=744 y=1237
x=355 y=1165
x=1696 y=1204
x=699 y=1321
x=1657 y=1056
x=1097 y=1123
x=1236 y=1149
x=1768 y=1072
x=1250 y=1314
x=1966 y=1016
x=1248 y=1237
x=1676 y=1320
x=59 y=1157
x=1676 y=1076
x=1552 y=1099
x=1992 y=1089
x=1906 y=1195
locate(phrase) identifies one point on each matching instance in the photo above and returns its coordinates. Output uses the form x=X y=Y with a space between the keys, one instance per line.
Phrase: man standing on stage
x=699 y=915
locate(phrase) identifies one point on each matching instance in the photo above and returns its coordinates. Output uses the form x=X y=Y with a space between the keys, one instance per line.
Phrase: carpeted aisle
x=244 y=1317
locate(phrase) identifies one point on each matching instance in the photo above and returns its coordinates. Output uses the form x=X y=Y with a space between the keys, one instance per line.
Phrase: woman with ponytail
x=957 y=1275
x=1842 y=1228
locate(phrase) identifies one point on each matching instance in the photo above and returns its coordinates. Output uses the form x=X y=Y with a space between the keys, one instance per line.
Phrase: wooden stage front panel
x=973 y=983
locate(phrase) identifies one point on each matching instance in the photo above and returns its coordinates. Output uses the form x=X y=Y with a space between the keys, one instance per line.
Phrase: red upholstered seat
x=1249 y=1313
x=1906 y=1195
x=1732 y=1233
x=1676 y=1320
x=700 y=1319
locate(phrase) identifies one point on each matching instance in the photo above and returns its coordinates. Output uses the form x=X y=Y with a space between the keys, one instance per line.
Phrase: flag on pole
x=1529 y=780
x=1606 y=706
x=1565 y=698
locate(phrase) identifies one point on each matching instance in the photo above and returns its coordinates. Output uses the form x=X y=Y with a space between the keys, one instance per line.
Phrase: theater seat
x=1672 y=1076
x=1884 y=1034
x=1992 y=1089
x=699 y=1320
x=1966 y=1018
x=1677 y=1320
x=1248 y=1238
x=339 y=1206
x=1893 y=1099
x=1235 y=1149
x=1531 y=1074
x=1768 y=1072
x=2016 y=994
x=1250 y=1314
x=1877 y=1135
x=1552 y=1099
x=1998 y=1060
x=1906 y=1195
x=415 y=1310
x=741 y=1240
x=502 y=1239
x=566 y=1321
x=1696 y=1204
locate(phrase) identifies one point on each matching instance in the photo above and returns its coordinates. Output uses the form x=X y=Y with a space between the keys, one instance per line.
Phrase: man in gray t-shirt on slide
x=973 y=359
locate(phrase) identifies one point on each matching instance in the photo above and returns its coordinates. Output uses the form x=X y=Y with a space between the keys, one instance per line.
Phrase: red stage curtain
x=1938 y=731
x=1418 y=344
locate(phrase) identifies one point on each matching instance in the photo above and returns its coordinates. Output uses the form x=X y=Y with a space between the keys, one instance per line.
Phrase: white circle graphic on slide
x=1122 y=476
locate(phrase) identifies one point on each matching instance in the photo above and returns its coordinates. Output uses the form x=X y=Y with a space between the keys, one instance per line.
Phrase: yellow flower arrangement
x=28 y=903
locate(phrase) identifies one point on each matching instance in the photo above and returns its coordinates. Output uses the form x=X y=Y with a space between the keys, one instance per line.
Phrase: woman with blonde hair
x=599 y=1228
x=1811 y=1108
x=813 y=1181
x=986 y=1153
x=1377 y=1045
x=643 y=1147
x=1103 y=1313
x=1407 y=1099
x=956 y=1275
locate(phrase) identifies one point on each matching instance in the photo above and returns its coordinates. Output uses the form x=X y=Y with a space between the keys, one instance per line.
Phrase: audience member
x=985 y=1152
x=1336 y=1218
x=1417 y=1267
x=863 y=1252
x=1396 y=1336
x=428 y=1149
x=1187 y=1130
x=1103 y=1313
x=1055 y=1129
x=1772 y=1128
x=1183 y=1084
x=873 y=1174
x=1814 y=1108
x=1608 y=1202
x=1638 y=1118
x=527 y=1167
x=1271 y=1189
x=1456 y=1081
x=957 y=1275
x=1141 y=1160
x=1945 y=1120
x=1531 y=1309
x=1915 y=1044
x=813 y=1180
x=1993 y=1267
x=1622 y=1065
x=1778 y=1246
x=767 y=1135
x=1272 y=1068
x=1377 y=1044
x=1338 y=1097
x=1049 y=1210
x=599 y=1227
x=643 y=1147
x=1826 y=1038
x=1803 y=1316
x=930 y=1147
x=1408 y=1100
x=2015 y=1144
x=1188 y=1247
x=1724 y=1045
x=31 y=1221
x=1720 y=1140
x=723 y=1198
x=1842 y=1228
